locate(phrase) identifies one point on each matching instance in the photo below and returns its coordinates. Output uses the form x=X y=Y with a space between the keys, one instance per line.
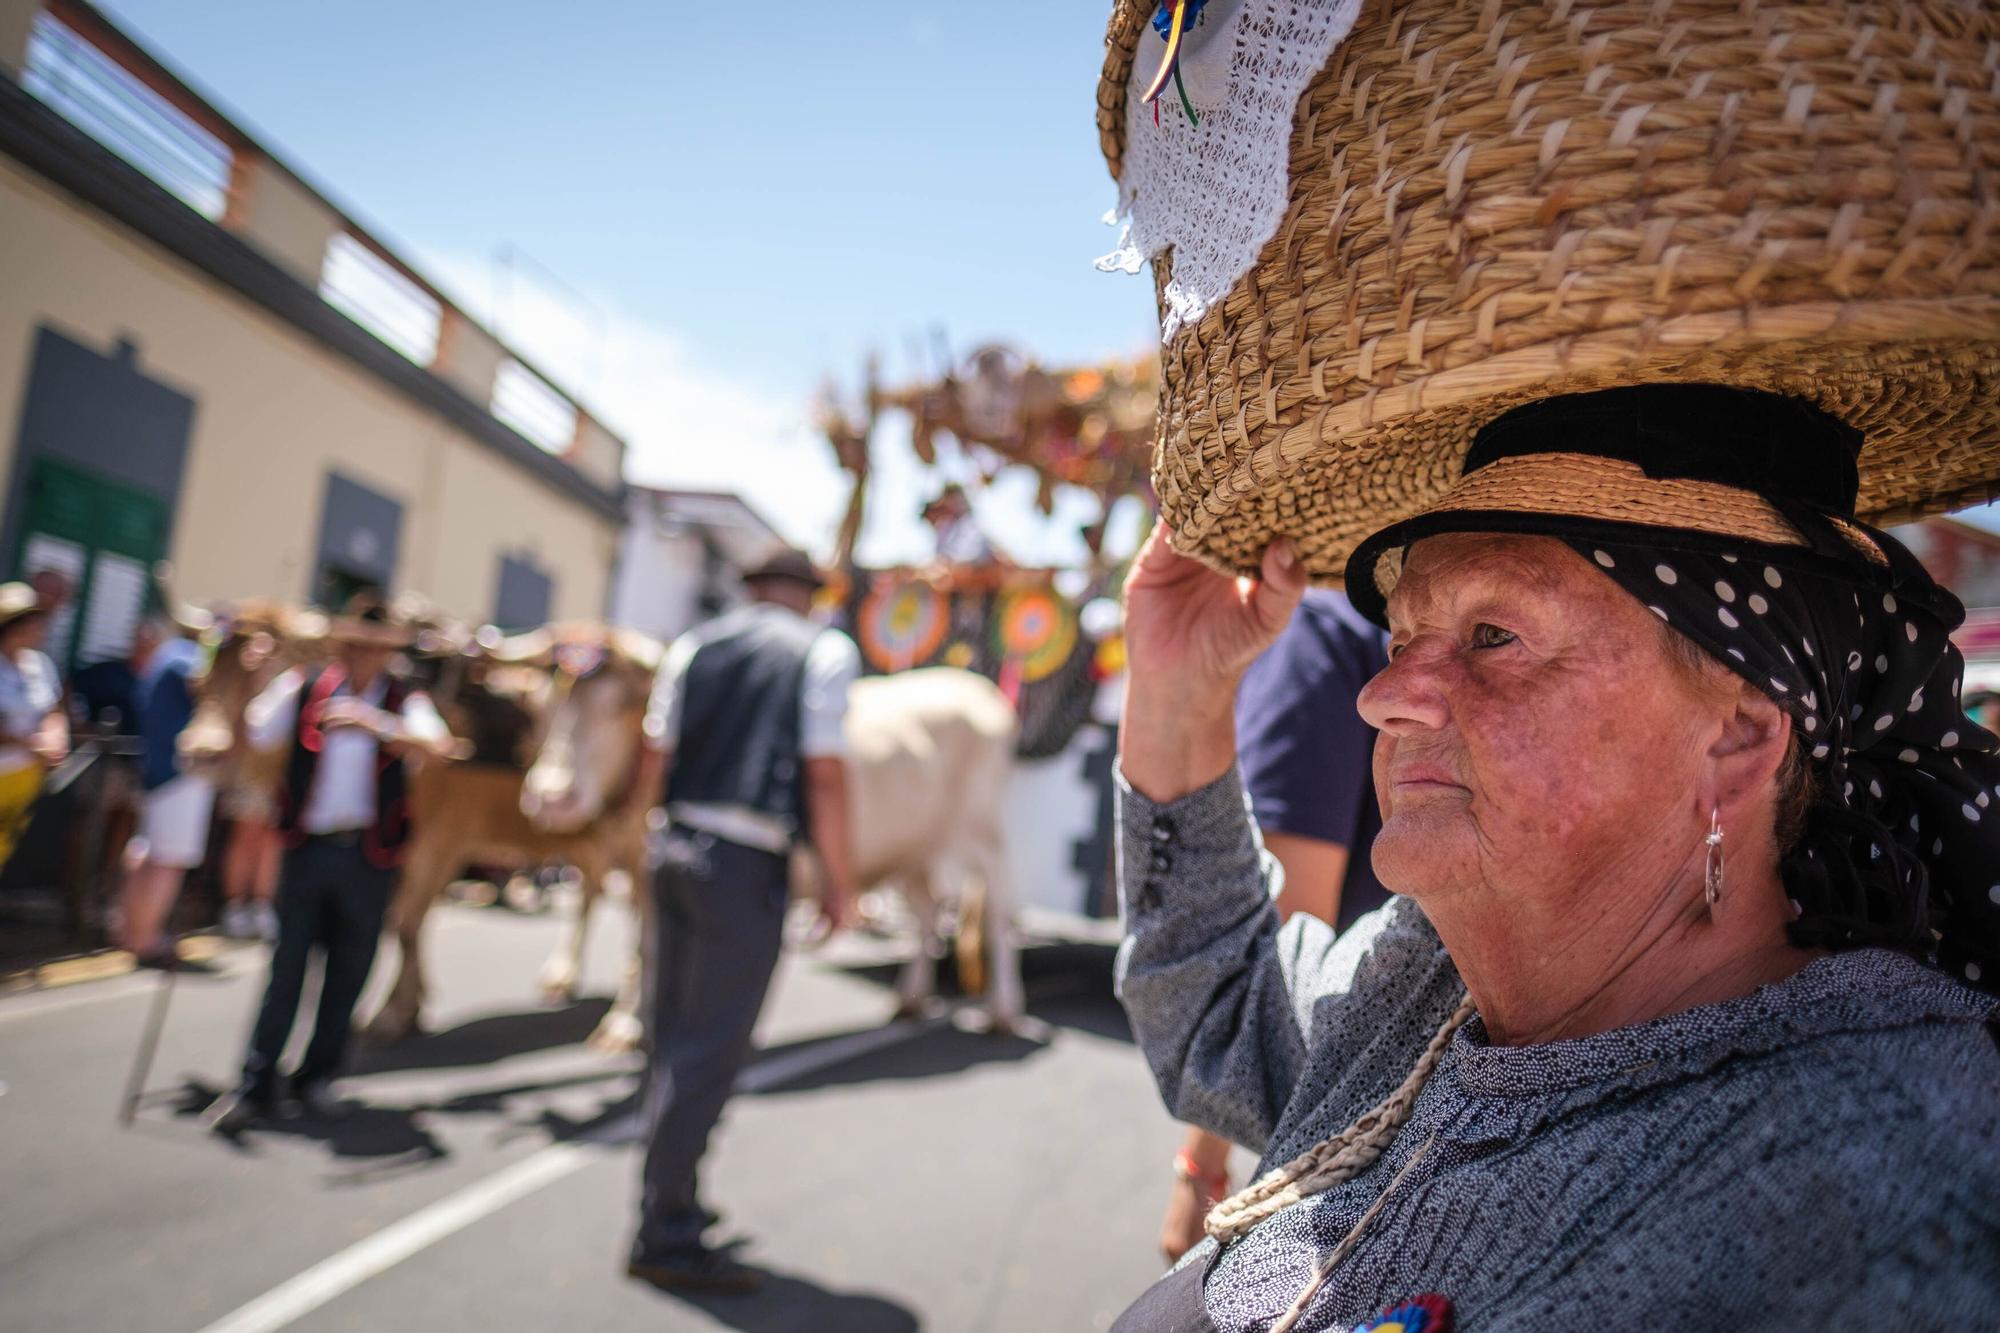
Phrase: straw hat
x=17 y=600
x=369 y=622
x=786 y=563
x=1492 y=203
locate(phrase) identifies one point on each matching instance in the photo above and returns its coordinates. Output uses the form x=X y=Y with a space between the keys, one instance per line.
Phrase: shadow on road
x=1075 y=977
x=1069 y=987
x=943 y=1050
x=384 y=1135
x=614 y=1121
x=393 y=1137
x=787 y=1303
x=485 y=1040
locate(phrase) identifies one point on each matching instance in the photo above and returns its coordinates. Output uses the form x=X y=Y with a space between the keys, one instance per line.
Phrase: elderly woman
x=1557 y=331
x=1687 y=826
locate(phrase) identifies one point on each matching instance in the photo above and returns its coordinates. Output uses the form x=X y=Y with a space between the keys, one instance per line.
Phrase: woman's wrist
x=1190 y=1170
x=1174 y=741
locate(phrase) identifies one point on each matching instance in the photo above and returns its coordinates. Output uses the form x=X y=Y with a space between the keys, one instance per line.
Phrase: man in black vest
x=745 y=733
x=344 y=819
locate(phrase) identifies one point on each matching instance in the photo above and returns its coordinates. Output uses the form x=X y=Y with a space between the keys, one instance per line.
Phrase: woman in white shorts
x=172 y=837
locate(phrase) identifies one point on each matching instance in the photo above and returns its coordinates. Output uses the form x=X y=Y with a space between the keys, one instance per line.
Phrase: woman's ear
x=1750 y=747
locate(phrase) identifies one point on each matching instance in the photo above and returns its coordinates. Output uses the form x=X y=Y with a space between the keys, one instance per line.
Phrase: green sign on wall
x=105 y=538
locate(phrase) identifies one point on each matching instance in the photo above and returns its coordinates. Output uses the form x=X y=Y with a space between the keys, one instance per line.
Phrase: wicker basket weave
x=1495 y=202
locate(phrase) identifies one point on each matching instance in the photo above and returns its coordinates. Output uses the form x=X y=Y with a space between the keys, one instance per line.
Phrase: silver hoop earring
x=1712 y=870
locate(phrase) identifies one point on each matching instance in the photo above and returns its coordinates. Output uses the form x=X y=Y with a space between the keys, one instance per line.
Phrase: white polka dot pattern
x=1895 y=750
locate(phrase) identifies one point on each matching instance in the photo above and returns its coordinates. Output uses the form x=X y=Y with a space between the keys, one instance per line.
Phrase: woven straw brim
x=369 y=634
x=1492 y=204
x=1599 y=490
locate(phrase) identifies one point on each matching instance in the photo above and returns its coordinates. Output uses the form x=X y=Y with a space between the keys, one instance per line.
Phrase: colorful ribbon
x=1172 y=22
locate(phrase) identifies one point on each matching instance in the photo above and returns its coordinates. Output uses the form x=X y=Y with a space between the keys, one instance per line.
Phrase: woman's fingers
x=1283 y=583
x=1158 y=561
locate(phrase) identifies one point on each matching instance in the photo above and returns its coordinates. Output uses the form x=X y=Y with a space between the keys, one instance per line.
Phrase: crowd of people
x=146 y=694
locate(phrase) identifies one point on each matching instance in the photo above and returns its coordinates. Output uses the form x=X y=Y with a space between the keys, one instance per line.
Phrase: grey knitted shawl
x=1821 y=1154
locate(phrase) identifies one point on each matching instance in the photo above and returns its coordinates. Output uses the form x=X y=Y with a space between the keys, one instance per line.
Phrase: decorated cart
x=1048 y=638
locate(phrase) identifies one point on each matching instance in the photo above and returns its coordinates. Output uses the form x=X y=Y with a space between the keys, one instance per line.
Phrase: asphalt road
x=920 y=1175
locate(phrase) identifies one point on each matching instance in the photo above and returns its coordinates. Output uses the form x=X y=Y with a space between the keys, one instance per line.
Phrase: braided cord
x=1336 y=1160
x=1290 y=1319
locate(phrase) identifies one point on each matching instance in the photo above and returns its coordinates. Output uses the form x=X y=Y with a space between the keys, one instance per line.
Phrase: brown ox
x=567 y=808
x=258 y=640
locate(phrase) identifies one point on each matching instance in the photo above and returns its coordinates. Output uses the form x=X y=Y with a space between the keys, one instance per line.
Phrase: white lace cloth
x=1215 y=192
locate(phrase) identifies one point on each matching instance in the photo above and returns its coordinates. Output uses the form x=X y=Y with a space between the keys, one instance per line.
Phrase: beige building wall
x=275 y=411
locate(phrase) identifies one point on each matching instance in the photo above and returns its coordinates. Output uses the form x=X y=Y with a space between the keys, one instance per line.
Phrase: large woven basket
x=1492 y=203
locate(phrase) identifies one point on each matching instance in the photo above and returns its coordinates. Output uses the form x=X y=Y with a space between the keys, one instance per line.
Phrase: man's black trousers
x=718 y=924
x=331 y=900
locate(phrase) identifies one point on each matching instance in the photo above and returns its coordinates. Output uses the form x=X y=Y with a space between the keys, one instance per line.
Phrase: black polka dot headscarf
x=1901 y=842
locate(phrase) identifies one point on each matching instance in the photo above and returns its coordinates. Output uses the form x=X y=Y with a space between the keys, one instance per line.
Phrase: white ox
x=931 y=753
x=930 y=756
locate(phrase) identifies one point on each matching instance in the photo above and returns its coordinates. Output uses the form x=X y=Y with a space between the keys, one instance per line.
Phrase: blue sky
x=747 y=197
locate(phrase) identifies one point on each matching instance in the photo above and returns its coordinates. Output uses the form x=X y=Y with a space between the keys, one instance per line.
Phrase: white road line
x=396 y=1242
x=342 y=1272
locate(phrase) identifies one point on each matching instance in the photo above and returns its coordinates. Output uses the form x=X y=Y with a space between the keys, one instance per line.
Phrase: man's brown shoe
x=697 y=1270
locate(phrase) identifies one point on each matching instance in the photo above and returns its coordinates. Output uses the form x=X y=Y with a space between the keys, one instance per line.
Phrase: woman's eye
x=1490 y=636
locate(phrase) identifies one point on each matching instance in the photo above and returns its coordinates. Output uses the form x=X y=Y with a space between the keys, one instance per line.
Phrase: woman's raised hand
x=1190 y=633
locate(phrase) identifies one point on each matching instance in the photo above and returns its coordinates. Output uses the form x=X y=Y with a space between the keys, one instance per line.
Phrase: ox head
x=249 y=644
x=591 y=735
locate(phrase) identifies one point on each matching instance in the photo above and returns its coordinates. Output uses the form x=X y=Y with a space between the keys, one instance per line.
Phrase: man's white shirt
x=343 y=790
x=833 y=664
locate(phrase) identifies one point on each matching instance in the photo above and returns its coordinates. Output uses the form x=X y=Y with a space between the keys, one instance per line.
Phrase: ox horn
x=642 y=649
x=534 y=648
x=191 y=618
x=307 y=627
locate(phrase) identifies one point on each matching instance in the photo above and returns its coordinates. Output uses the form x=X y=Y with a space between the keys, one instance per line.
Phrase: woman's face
x=28 y=632
x=1535 y=736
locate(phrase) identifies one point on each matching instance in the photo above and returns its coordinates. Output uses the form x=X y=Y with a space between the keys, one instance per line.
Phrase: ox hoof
x=1007 y=1026
x=558 y=984
x=618 y=1034
x=920 y=1006
x=386 y=1028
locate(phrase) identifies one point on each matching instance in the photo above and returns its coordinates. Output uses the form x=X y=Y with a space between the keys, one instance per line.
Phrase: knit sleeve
x=1227 y=1005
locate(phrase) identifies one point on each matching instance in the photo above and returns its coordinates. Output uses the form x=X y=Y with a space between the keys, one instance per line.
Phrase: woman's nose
x=1407 y=695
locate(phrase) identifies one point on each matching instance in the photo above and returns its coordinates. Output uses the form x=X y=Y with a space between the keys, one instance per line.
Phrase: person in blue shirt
x=1304 y=752
x=104 y=693
x=172 y=836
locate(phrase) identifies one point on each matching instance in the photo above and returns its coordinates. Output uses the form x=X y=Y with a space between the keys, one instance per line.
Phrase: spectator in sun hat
x=34 y=734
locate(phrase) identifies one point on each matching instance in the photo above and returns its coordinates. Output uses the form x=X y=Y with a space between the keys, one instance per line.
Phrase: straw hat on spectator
x=17 y=600
x=368 y=621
